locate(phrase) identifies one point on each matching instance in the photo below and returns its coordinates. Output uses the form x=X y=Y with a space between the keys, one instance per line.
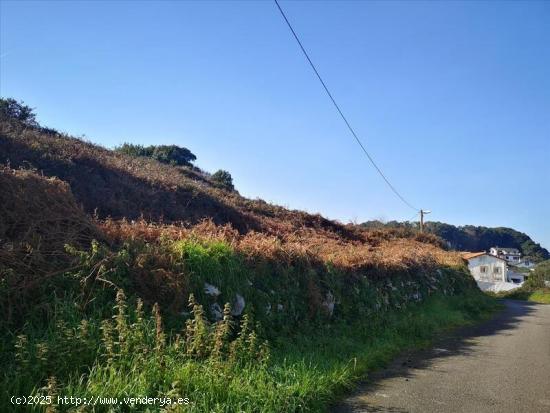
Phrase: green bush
x=540 y=275
x=169 y=154
x=11 y=109
x=172 y=154
x=223 y=179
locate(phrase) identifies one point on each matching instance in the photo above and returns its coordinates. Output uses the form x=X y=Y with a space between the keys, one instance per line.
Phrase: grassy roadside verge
x=301 y=373
x=340 y=355
x=539 y=295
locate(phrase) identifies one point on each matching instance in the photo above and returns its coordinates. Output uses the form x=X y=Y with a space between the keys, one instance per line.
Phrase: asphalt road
x=502 y=365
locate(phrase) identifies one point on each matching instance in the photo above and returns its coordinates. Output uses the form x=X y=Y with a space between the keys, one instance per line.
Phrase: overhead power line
x=394 y=190
x=414 y=216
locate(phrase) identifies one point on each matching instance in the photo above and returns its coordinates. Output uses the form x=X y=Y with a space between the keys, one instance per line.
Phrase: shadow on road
x=461 y=341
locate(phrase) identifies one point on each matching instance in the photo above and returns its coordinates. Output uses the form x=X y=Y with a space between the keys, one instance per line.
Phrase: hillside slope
x=112 y=184
x=128 y=198
x=124 y=276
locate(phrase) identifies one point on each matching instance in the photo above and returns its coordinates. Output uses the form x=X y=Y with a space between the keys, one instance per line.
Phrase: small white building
x=526 y=263
x=486 y=267
x=511 y=255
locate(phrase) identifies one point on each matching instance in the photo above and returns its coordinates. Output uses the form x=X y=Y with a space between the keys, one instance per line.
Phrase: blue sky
x=451 y=98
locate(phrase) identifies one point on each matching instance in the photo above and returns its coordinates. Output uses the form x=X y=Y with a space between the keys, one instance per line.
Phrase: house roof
x=470 y=255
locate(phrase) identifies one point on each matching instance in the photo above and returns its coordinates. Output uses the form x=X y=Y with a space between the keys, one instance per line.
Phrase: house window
x=496 y=270
x=483 y=269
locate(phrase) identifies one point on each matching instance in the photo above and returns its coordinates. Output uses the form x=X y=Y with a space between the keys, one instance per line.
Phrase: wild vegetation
x=169 y=154
x=215 y=367
x=536 y=295
x=11 y=109
x=124 y=275
x=223 y=179
x=540 y=276
x=536 y=288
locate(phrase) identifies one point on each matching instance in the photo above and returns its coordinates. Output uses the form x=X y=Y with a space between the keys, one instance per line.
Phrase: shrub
x=172 y=154
x=168 y=154
x=133 y=150
x=539 y=276
x=11 y=109
x=38 y=217
x=223 y=180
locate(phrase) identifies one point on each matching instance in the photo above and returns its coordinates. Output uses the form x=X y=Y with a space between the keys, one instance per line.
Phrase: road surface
x=501 y=366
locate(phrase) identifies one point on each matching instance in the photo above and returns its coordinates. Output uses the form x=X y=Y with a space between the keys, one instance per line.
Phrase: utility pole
x=422 y=213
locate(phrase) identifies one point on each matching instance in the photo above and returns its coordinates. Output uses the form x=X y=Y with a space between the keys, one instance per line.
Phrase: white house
x=526 y=263
x=511 y=255
x=486 y=267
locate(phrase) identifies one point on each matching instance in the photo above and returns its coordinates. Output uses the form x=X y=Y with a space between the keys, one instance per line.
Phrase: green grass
x=93 y=344
x=304 y=372
x=540 y=295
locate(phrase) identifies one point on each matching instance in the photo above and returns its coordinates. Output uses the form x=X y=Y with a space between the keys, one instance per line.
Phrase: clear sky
x=451 y=98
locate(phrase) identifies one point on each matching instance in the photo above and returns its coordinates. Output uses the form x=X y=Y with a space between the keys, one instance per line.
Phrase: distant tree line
x=474 y=238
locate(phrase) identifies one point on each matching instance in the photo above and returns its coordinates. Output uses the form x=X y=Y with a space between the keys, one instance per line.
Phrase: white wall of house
x=487 y=268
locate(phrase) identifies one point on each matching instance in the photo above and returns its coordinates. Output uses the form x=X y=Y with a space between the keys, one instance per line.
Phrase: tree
x=172 y=154
x=539 y=275
x=169 y=154
x=223 y=180
x=11 y=109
